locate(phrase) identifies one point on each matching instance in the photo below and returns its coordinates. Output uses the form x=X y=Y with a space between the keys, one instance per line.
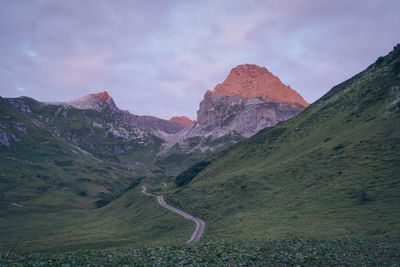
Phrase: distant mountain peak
x=185 y=121
x=251 y=81
x=93 y=101
x=101 y=96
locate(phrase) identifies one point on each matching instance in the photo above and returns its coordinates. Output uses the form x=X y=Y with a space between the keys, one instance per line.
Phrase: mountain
x=332 y=171
x=251 y=81
x=70 y=169
x=96 y=125
x=185 y=121
x=94 y=101
x=104 y=102
x=87 y=149
x=43 y=168
x=245 y=103
x=250 y=99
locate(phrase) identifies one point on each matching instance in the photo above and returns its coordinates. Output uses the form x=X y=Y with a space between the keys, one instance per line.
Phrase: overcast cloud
x=159 y=57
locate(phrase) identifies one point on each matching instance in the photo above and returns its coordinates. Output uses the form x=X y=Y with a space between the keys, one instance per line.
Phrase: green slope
x=51 y=188
x=42 y=170
x=332 y=171
x=101 y=133
x=132 y=220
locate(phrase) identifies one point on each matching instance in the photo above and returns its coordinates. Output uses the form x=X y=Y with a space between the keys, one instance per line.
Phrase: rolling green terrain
x=332 y=171
x=52 y=189
x=132 y=220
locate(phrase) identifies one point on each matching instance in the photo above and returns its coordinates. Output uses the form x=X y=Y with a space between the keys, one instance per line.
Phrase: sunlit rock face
x=250 y=99
x=219 y=114
x=103 y=102
x=251 y=81
x=94 y=101
x=185 y=121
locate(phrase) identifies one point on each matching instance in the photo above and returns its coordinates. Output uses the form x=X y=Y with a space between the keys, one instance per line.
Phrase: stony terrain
x=249 y=100
x=251 y=81
x=185 y=121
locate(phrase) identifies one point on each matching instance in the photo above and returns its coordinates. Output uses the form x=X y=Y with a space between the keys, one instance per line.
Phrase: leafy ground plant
x=304 y=252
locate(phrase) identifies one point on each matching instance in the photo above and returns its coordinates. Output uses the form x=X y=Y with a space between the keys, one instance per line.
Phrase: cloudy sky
x=158 y=57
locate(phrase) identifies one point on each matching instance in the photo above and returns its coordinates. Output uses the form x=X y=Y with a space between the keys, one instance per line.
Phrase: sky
x=159 y=57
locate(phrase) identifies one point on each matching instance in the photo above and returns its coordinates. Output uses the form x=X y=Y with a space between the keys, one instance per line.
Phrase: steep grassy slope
x=332 y=171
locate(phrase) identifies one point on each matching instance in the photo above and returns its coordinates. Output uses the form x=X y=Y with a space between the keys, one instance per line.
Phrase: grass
x=266 y=252
x=132 y=220
x=332 y=171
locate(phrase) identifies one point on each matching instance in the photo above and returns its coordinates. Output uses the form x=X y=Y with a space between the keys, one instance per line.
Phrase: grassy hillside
x=133 y=220
x=57 y=193
x=51 y=189
x=41 y=169
x=101 y=133
x=332 y=171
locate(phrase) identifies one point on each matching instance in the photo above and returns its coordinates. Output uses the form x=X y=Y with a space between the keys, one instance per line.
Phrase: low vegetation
x=332 y=252
x=187 y=175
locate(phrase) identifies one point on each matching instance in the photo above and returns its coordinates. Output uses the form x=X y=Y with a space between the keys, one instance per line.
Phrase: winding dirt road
x=200 y=224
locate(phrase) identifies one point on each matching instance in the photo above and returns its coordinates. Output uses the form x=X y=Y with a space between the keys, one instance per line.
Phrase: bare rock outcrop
x=251 y=81
x=185 y=121
x=250 y=99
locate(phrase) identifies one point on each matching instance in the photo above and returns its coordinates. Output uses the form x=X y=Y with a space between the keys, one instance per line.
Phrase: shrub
x=187 y=175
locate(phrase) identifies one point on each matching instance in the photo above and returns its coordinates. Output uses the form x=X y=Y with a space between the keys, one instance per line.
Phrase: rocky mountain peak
x=185 y=121
x=251 y=81
x=101 y=96
x=97 y=102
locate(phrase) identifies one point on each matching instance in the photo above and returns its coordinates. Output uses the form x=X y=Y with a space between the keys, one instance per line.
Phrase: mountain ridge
x=250 y=99
x=223 y=118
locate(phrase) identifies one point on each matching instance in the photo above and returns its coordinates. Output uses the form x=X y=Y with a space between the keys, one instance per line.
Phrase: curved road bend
x=144 y=191
x=200 y=224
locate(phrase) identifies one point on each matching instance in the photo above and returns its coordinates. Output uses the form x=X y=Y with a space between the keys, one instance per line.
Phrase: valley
x=86 y=175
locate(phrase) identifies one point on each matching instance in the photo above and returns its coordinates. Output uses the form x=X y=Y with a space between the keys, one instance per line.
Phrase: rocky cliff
x=104 y=102
x=92 y=123
x=94 y=101
x=251 y=81
x=250 y=99
x=185 y=121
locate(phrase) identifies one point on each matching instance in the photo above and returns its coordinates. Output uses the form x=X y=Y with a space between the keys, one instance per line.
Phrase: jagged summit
x=101 y=96
x=104 y=102
x=93 y=101
x=185 y=121
x=250 y=99
x=251 y=81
